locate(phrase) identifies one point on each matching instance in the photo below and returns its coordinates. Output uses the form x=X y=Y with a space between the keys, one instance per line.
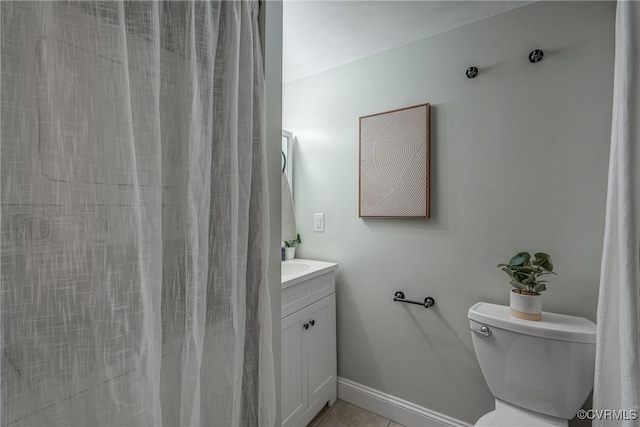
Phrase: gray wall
x=519 y=162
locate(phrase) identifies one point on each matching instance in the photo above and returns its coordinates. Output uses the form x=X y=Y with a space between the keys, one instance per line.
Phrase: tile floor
x=343 y=414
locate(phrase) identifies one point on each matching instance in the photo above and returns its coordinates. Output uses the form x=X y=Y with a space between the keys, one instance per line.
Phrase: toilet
x=540 y=372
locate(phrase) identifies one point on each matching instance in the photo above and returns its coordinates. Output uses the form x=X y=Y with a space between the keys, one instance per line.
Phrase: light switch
x=318 y=222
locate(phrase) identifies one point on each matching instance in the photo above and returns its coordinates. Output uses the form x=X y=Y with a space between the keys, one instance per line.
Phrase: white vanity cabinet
x=308 y=347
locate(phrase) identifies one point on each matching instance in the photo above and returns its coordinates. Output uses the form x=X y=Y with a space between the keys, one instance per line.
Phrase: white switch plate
x=318 y=222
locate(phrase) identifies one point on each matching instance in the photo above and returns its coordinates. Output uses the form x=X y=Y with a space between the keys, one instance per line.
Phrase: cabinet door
x=294 y=366
x=321 y=346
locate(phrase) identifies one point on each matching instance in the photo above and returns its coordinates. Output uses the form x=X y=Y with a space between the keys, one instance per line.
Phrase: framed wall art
x=394 y=164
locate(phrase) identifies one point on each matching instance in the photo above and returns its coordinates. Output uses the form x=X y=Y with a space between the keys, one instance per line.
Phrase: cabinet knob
x=313 y=322
x=306 y=326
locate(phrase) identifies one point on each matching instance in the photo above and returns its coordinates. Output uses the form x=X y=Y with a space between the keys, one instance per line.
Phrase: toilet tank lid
x=554 y=326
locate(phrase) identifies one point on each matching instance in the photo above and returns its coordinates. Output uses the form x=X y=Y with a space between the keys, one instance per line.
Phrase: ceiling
x=322 y=34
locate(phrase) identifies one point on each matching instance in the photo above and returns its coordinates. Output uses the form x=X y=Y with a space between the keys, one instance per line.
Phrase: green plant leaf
x=539 y=288
x=526 y=256
x=509 y=272
x=516 y=261
x=293 y=243
x=520 y=276
x=517 y=285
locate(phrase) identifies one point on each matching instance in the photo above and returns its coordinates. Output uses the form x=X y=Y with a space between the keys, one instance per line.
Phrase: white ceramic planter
x=527 y=307
x=289 y=253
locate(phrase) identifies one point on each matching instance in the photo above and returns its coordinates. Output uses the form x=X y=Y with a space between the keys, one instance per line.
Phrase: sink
x=297 y=270
x=292 y=267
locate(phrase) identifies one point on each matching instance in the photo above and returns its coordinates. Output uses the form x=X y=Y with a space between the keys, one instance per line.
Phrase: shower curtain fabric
x=133 y=215
x=617 y=376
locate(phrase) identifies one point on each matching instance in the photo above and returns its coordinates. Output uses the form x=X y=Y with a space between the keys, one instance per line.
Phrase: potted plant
x=290 y=247
x=525 y=273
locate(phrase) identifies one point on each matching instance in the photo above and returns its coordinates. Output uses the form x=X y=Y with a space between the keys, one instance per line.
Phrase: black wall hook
x=472 y=72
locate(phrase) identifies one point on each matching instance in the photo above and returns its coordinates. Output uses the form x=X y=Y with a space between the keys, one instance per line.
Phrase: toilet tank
x=545 y=366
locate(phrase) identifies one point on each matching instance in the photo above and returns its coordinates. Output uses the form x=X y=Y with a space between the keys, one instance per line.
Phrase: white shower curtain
x=617 y=376
x=133 y=215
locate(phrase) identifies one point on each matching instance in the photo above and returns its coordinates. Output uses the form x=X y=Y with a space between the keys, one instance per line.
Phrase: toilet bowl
x=540 y=372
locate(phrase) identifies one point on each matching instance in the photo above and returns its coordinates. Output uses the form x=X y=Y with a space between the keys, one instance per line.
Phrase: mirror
x=287 y=157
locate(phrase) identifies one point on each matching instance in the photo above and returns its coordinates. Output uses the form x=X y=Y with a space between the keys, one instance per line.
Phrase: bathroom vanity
x=308 y=328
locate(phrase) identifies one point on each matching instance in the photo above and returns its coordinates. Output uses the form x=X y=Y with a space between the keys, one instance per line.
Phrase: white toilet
x=540 y=372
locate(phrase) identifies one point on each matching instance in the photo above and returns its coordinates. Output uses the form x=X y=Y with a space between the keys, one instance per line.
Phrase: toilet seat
x=506 y=415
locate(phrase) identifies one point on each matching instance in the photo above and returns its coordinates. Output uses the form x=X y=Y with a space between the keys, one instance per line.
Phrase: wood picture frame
x=394 y=171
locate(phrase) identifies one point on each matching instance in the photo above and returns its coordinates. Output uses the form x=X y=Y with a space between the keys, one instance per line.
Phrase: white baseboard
x=396 y=409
